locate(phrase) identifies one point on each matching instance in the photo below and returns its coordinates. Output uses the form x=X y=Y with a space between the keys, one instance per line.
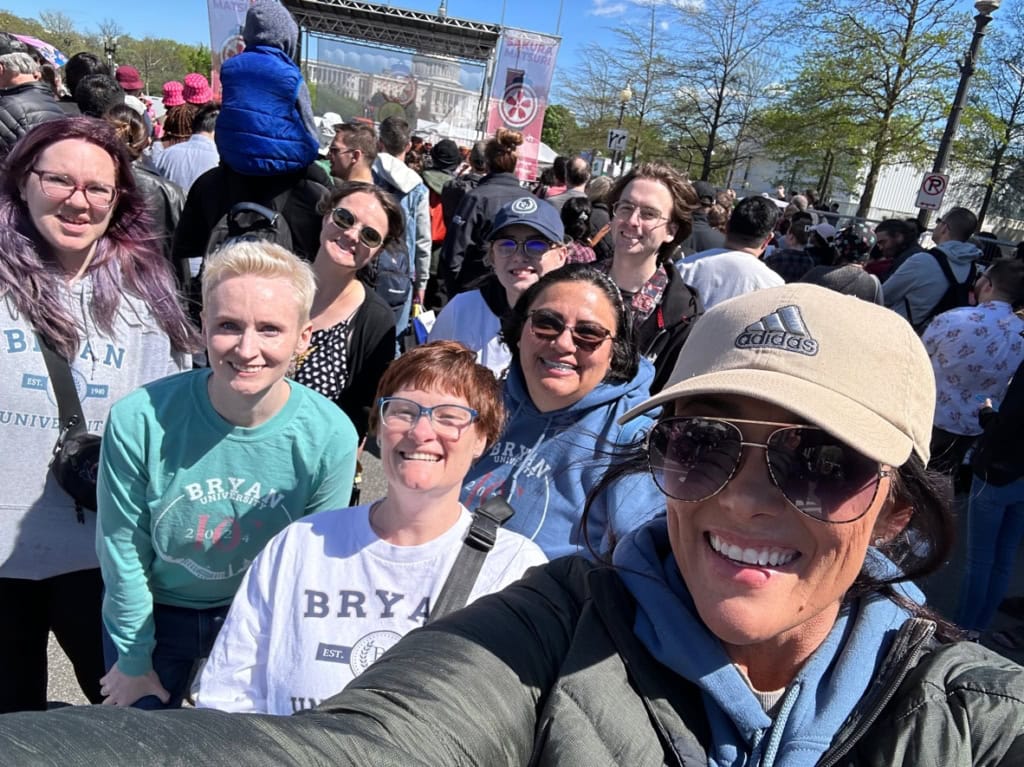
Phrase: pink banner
x=519 y=95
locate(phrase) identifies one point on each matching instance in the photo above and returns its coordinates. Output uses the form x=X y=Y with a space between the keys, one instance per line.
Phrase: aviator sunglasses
x=548 y=326
x=344 y=219
x=692 y=458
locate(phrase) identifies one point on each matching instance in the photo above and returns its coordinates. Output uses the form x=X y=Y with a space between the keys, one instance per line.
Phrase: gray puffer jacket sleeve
x=460 y=692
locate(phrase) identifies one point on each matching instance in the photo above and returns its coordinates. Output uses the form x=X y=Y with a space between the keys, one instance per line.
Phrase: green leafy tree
x=991 y=137
x=558 y=127
x=197 y=59
x=724 y=67
x=638 y=64
x=889 y=65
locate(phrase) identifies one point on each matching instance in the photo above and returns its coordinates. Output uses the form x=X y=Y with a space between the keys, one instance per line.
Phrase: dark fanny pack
x=76 y=456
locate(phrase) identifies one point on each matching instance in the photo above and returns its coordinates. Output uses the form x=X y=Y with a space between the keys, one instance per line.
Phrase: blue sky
x=187 y=21
x=581 y=22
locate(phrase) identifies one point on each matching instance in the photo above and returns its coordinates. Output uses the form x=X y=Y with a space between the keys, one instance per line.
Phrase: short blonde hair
x=262 y=259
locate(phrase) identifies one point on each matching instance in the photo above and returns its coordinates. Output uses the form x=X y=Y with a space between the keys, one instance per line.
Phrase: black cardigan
x=371 y=347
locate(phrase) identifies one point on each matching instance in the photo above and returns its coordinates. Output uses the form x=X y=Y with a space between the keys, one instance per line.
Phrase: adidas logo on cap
x=783 y=329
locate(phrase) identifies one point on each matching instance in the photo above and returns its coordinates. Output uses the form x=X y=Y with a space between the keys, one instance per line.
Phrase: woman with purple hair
x=79 y=266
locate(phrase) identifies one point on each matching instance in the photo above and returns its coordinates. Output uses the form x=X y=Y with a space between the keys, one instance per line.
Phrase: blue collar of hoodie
x=817 y=701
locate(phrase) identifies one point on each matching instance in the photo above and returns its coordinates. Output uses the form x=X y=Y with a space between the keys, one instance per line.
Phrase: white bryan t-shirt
x=326 y=598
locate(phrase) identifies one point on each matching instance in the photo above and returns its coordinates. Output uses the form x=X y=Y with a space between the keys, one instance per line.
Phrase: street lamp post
x=985 y=10
x=624 y=98
x=110 y=48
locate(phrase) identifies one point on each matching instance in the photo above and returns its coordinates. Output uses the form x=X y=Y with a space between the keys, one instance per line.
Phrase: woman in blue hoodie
x=575 y=369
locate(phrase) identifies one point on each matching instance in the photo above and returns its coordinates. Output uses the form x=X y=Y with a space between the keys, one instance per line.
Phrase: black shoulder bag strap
x=69 y=406
x=483 y=532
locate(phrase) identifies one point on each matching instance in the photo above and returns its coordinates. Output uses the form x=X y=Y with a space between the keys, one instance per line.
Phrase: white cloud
x=607 y=8
x=663 y=26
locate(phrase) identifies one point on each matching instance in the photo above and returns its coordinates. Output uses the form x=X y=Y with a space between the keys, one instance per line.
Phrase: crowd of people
x=661 y=475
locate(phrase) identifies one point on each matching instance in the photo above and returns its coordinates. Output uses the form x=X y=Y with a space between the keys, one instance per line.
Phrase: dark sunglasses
x=344 y=219
x=548 y=326
x=533 y=249
x=692 y=458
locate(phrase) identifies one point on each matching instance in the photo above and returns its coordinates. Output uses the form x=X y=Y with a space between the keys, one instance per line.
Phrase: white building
x=433 y=85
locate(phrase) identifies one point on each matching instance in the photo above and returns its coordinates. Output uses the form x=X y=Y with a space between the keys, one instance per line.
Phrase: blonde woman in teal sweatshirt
x=201 y=469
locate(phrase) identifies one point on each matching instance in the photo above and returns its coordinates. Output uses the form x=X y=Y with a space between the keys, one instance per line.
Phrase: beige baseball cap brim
x=851 y=367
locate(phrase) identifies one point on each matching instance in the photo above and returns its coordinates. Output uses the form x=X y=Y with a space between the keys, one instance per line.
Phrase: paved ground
x=942 y=590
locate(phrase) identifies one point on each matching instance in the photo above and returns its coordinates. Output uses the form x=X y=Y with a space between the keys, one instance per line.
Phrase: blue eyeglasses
x=447 y=420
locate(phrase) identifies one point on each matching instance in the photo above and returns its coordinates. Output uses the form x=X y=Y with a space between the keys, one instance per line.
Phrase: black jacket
x=465 y=245
x=547 y=672
x=599 y=218
x=24 y=107
x=998 y=456
x=661 y=336
x=371 y=348
x=165 y=200
x=216 y=191
x=453 y=193
x=703 y=236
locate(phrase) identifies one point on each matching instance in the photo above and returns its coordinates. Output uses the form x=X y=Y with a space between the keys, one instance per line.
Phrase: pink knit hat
x=172 y=94
x=197 y=89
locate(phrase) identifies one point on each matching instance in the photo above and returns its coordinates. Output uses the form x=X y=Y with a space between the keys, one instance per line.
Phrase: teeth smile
x=421 y=457
x=760 y=557
x=247 y=368
x=559 y=366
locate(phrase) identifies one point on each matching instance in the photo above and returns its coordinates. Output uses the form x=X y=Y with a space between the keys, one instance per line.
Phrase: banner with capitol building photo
x=438 y=96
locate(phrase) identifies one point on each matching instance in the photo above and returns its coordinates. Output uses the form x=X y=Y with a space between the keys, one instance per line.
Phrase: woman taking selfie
x=766 y=619
x=200 y=470
x=80 y=267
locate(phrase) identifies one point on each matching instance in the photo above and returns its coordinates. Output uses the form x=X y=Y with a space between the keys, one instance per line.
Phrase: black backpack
x=388 y=275
x=957 y=293
x=252 y=221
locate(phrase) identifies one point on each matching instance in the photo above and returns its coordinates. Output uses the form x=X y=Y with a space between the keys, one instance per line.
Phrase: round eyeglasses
x=547 y=325
x=345 y=219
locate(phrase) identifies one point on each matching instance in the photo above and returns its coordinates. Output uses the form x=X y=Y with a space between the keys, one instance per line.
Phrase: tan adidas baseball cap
x=852 y=367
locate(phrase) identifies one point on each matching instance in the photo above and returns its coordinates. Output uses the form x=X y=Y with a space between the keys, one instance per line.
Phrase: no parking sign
x=933 y=187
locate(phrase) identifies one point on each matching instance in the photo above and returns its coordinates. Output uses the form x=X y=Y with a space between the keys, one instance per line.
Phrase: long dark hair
x=625 y=359
x=921 y=549
x=127 y=258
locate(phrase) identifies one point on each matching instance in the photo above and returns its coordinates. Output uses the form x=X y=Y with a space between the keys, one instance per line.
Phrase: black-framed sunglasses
x=533 y=248
x=448 y=421
x=692 y=458
x=343 y=218
x=548 y=326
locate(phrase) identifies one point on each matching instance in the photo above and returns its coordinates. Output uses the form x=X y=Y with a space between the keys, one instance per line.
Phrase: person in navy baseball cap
x=536 y=214
x=527 y=241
